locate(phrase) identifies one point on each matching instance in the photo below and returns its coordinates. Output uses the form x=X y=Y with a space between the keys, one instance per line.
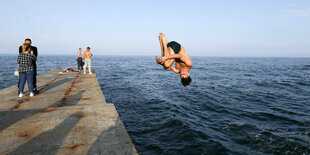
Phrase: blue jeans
x=23 y=77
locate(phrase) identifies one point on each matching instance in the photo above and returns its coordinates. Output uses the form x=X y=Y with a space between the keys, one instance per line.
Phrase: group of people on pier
x=87 y=57
x=27 y=67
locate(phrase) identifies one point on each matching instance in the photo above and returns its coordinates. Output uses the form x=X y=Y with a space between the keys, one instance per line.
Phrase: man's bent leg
x=169 y=63
x=163 y=43
x=165 y=51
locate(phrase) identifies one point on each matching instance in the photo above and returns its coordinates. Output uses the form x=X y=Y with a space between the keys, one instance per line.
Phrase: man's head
x=184 y=74
x=185 y=78
x=186 y=81
x=88 y=48
x=28 y=41
x=80 y=49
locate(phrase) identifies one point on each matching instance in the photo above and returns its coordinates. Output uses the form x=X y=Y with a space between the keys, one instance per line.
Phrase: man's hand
x=31 y=52
x=158 y=60
x=163 y=59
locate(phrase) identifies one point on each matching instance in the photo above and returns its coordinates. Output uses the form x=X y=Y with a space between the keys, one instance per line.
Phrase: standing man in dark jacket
x=35 y=52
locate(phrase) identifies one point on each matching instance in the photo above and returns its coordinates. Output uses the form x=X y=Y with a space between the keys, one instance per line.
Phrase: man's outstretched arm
x=186 y=60
x=173 y=69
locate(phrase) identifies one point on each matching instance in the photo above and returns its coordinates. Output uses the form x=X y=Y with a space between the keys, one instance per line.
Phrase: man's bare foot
x=161 y=35
x=163 y=38
x=165 y=41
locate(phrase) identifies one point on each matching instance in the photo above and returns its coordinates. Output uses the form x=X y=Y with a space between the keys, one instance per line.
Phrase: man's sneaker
x=21 y=95
x=84 y=73
x=31 y=94
x=90 y=73
x=35 y=91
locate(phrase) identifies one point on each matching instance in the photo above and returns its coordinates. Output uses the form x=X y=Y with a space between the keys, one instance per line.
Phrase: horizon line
x=44 y=54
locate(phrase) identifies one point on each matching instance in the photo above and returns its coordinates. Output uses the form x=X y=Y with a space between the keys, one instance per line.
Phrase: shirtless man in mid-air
x=174 y=52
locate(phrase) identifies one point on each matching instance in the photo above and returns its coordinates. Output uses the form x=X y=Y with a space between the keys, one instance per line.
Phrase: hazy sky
x=206 y=28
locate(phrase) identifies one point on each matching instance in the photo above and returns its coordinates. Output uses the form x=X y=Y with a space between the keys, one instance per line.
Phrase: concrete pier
x=69 y=116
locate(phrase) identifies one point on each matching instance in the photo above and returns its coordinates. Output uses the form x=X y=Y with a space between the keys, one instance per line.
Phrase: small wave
x=268 y=142
x=275 y=117
x=303 y=83
x=246 y=74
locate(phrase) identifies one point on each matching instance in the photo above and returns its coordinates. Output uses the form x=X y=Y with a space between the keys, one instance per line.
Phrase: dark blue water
x=233 y=106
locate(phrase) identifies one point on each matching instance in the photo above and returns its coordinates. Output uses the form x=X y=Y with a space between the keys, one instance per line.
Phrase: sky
x=238 y=28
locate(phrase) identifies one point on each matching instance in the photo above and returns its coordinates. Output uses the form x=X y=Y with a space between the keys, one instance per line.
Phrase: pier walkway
x=69 y=116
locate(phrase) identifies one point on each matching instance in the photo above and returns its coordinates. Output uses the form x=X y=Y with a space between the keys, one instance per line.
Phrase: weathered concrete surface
x=69 y=116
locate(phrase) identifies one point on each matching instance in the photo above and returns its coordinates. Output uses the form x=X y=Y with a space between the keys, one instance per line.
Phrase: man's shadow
x=108 y=142
x=50 y=141
x=7 y=118
x=45 y=88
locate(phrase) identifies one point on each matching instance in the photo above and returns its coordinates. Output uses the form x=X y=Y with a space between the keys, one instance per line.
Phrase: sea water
x=232 y=106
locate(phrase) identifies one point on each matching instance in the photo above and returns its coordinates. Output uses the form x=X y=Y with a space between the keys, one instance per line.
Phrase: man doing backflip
x=174 y=52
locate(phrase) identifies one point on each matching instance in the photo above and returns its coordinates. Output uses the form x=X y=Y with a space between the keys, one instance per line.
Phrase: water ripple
x=233 y=106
